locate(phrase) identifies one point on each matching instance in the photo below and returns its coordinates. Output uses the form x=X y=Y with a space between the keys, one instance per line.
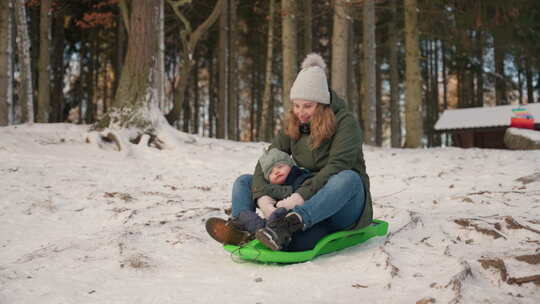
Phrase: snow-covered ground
x=80 y=224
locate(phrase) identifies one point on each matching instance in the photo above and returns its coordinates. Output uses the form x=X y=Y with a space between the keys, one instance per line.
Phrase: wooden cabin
x=481 y=127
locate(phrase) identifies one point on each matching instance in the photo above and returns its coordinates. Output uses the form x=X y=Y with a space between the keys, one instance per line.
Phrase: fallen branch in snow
x=533 y=259
x=493 y=231
x=130 y=216
x=497 y=264
x=529 y=178
x=391 y=194
x=457 y=281
x=529 y=279
x=426 y=300
x=393 y=269
x=412 y=223
x=198 y=212
x=502 y=192
x=511 y=223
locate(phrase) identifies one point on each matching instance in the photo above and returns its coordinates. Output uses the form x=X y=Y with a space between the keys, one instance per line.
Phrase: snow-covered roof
x=483 y=117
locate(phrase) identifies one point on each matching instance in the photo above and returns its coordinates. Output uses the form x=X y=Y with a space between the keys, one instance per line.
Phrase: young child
x=284 y=178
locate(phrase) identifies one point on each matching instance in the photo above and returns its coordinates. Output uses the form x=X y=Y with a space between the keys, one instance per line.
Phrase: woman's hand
x=290 y=202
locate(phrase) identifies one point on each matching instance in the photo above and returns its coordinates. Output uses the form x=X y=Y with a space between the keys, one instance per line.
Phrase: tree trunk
x=26 y=96
x=186 y=108
x=5 y=63
x=90 y=77
x=196 y=105
x=378 y=98
x=519 y=67
x=436 y=138
x=222 y=61
x=267 y=110
x=500 y=78
x=211 y=93
x=340 y=48
x=445 y=84
x=44 y=91
x=308 y=34
x=232 y=86
x=57 y=89
x=135 y=94
x=260 y=94
x=120 y=51
x=370 y=70
x=480 y=70
x=352 y=88
x=413 y=84
x=253 y=95
x=289 y=43
x=529 y=76
x=395 y=125
x=190 y=39
x=160 y=62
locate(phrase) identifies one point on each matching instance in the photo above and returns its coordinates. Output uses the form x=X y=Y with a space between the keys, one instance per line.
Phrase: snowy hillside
x=80 y=224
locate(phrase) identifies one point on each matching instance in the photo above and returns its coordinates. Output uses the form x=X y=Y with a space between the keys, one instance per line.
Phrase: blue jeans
x=336 y=206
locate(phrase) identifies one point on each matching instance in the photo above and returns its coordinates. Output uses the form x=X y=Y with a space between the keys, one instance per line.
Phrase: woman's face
x=304 y=109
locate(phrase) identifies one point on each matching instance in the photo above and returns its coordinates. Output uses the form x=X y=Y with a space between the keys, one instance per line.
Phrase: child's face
x=279 y=174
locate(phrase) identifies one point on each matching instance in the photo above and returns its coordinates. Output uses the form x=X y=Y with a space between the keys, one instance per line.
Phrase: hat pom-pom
x=313 y=59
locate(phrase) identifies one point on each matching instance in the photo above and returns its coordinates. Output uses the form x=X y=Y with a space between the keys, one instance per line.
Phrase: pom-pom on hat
x=311 y=83
x=272 y=157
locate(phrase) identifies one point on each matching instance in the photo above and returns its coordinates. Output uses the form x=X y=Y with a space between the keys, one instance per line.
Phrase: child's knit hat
x=272 y=157
x=311 y=83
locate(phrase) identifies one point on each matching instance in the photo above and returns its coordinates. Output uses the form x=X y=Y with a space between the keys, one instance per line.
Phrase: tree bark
x=136 y=94
x=232 y=86
x=120 y=51
x=435 y=94
x=186 y=108
x=378 y=98
x=196 y=105
x=308 y=34
x=413 y=82
x=370 y=70
x=267 y=110
x=190 y=39
x=519 y=67
x=89 y=77
x=289 y=43
x=500 y=78
x=529 y=76
x=211 y=93
x=480 y=69
x=221 y=124
x=340 y=48
x=160 y=62
x=44 y=89
x=26 y=96
x=5 y=62
x=395 y=124
x=57 y=89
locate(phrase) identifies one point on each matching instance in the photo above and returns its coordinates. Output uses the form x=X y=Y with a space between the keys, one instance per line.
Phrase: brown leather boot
x=227 y=232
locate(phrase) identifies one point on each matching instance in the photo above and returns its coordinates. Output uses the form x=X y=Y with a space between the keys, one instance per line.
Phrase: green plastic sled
x=255 y=251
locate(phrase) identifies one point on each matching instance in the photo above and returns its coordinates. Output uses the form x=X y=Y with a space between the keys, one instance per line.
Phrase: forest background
x=224 y=68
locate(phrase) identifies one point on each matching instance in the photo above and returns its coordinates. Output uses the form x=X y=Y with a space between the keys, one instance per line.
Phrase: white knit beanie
x=311 y=83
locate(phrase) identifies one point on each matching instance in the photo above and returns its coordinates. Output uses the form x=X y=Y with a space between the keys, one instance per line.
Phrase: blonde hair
x=322 y=126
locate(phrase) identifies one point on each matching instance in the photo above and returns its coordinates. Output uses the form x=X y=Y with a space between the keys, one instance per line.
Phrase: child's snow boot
x=278 y=231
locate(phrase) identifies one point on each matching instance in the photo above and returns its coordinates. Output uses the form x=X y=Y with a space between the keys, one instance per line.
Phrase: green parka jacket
x=343 y=151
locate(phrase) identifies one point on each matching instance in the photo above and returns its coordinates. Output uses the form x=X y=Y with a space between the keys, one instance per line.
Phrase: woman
x=325 y=138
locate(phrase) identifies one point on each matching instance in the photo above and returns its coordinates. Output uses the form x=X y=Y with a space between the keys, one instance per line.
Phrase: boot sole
x=265 y=237
x=218 y=229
